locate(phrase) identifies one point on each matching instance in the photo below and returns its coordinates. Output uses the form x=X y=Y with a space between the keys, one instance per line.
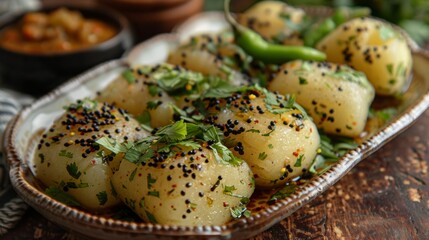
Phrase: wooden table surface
x=386 y=196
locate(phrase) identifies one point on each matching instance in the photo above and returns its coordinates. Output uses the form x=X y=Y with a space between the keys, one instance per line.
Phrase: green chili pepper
x=341 y=15
x=254 y=45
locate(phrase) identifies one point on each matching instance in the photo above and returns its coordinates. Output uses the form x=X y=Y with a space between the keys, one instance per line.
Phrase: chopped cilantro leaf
x=74 y=185
x=229 y=189
x=42 y=157
x=284 y=192
x=239 y=211
x=302 y=81
x=221 y=89
x=262 y=156
x=224 y=155
x=151 y=105
x=61 y=196
x=175 y=81
x=151 y=217
x=253 y=131
x=111 y=145
x=188 y=117
x=132 y=175
x=174 y=132
x=141 y=203
x=144 y=118
x=150 y=181
x=114 y=193
x=64 y=153
x=299 y=161
x=73 y=170
x=129 y=76
x=86 y=103
x=386 y=32
x=190 y=144
x=384 y=114
x=154 y=90
x=153 y=193
x=102 y=197
x=211 y=133
x=389 y=68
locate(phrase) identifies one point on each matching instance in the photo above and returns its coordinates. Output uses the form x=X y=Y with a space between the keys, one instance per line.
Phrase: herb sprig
x=169 y=140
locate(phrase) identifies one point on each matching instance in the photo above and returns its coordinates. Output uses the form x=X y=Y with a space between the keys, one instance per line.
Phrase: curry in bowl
x=61 y=30
x=56 y=43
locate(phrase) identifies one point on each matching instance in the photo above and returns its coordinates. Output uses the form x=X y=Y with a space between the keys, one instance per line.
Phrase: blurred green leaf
x=417 y=30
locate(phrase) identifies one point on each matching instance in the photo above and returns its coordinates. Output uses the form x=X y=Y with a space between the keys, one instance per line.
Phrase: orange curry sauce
x=59 y=31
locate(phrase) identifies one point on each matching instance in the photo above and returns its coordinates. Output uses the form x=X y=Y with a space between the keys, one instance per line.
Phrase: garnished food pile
x=188 y=141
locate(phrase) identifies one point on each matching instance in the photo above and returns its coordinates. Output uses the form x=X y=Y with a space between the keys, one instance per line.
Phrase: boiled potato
x=337 y=97
x=191 y=188
x=198 y=61
x=138 y=93
x=211 y=55
x=276 y=140
x=68 y=158
x=274 y=20
x=373 y=47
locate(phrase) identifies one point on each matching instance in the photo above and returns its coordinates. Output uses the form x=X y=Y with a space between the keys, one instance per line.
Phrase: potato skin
x=186 y=189
x=206 y=54
x=197 y=60
x=373 y=47
x=335 y=96
x=67 y=154
x=277 y=147
x=135 y=96
x=269 y=19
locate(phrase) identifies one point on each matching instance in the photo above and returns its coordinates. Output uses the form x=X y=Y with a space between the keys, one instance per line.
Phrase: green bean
x=254 y=45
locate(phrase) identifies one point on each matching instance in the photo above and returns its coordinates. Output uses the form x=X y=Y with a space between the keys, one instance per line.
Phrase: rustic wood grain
x=386 y=196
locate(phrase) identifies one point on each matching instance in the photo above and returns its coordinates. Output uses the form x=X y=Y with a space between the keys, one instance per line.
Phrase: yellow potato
x=134 y=95
x=272 y=19
x=337 y=97
x=373 y=47
x=188 y=189
x=210 y=55
x=277 y=147
x=198 y=61
x=68 y=158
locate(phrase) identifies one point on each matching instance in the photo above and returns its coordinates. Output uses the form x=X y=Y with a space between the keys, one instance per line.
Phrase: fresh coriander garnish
x=85 y=104
x=73 y=170
x=102 y=197
x=239 y=211
x=285 y=192
x=65 y=153
x=168 y=139
x=129 y=76
x=61 y=196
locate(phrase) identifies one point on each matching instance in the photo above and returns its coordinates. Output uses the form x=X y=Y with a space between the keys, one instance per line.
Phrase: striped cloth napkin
x=12 y=207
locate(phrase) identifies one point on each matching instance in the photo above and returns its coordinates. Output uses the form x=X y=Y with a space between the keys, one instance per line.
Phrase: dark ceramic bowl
x=37 y=74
